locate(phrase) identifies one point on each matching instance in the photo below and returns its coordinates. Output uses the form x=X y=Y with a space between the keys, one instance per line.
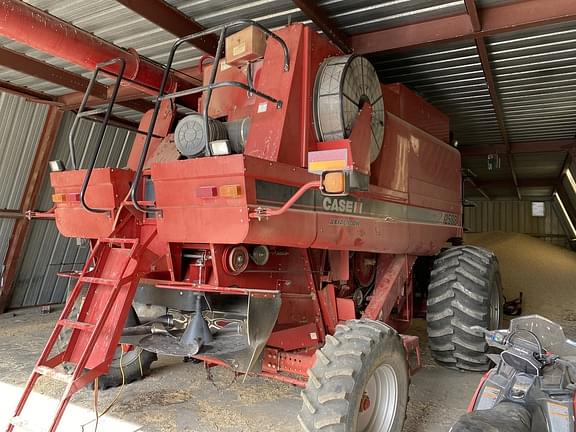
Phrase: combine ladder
x=111 y=280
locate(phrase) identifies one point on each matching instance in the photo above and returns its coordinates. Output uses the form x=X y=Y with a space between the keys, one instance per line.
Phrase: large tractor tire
x=129 y=366
x=465 y=291
x=359 y=381
x=125 y=367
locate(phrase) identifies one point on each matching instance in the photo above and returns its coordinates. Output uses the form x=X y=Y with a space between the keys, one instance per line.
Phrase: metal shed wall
x=20 y=129
x=516 y=216
x=46 y=251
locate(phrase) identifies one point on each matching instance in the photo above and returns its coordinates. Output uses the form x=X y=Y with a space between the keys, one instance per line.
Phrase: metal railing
x=107 y=111
x=222 y=30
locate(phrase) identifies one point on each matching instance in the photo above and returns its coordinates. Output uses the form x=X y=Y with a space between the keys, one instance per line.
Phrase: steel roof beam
x=472 y=11
x=71 y=101
x=29 y=94
x=523 y=183
x=478 y=188
x=321 y=19
x=495 y=20
x=45 y=71
x=549 y=146
x=173 y=21
x=62 y=39
x=477 y=25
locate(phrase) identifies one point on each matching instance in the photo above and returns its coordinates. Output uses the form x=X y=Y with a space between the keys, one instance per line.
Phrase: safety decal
x=559 y=417
x=488 y=398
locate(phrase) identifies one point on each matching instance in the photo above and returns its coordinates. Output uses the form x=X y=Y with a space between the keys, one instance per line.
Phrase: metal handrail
x=221 y=84
x=222 y=29
x=82 y=114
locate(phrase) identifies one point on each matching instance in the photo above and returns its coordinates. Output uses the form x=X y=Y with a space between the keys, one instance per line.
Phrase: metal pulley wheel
x=343 y=85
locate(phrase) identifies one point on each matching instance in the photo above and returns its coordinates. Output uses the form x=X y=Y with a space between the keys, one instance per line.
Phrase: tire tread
x=459 y=297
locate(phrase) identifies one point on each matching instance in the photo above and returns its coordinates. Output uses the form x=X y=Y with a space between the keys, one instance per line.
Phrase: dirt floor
x=179 y=396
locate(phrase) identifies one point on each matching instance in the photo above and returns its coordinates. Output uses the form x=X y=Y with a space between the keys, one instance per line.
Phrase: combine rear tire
x=359 y=381
x=464 y=291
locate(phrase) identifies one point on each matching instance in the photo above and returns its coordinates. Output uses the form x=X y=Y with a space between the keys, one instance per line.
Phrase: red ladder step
x=118 y=240
x=24 y=425
x=76 y=324
x=89 y=351
x=98 y=281
x=53 y=373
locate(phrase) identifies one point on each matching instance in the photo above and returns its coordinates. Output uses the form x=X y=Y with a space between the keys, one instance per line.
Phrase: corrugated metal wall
x=20 y=128
x=515 y=216
x=46 y=251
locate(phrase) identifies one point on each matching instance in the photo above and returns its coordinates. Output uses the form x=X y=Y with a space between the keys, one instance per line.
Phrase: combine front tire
x=359 y=381
x=464 y=291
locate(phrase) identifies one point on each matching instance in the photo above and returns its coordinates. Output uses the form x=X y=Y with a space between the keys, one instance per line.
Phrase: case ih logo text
x=340 y=205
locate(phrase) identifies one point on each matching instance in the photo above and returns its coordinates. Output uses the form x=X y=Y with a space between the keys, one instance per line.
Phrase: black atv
x=532 y=387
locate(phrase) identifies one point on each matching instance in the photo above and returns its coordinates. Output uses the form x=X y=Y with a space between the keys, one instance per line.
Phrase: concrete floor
x=178 y=396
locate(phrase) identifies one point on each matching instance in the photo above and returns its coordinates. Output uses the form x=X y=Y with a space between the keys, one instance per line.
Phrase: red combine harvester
x=288 y=228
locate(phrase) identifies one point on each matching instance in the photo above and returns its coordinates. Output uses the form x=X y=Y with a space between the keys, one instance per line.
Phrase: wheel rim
x=379 y=401
x=494 y=308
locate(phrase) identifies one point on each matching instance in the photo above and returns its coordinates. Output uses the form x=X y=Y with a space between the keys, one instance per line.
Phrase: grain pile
x=545 y=273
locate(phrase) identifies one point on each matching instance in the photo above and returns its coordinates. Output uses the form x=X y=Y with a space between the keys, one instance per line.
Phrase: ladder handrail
x=222 y=30
x=107 y=114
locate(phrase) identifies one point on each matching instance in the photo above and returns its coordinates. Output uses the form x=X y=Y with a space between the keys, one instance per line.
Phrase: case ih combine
x=288 y=228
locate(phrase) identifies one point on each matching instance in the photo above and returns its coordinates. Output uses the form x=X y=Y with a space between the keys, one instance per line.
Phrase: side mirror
x=335 y=183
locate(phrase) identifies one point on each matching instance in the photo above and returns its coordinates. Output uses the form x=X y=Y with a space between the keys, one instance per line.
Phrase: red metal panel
x=275 y=361
x=275 y=134
x=346 y=309
x=107 y=188
x=186 y=217
x=410 y=150
x=328 y=306
x=409 y=106
x=161 y=128
x=391 y=276
x=304 y=336
x=361 y=139
x=232 y=102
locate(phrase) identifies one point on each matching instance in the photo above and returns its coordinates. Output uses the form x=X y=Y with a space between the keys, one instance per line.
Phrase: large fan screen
x=343 y=85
